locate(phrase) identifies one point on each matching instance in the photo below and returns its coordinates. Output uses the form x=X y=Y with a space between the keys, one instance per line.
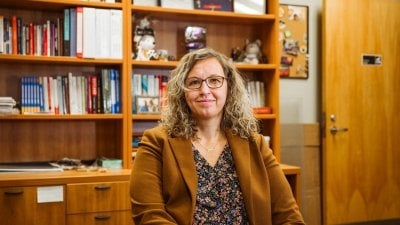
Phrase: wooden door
x=361 y=99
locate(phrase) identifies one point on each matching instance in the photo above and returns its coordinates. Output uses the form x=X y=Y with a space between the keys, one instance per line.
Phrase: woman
x=206 y=163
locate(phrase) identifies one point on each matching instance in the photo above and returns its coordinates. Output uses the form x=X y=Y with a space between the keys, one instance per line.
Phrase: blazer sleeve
x=146 y=182
x=284 y=208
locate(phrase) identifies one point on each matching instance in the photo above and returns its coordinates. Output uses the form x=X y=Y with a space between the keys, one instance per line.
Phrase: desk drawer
x=103 y=218
x=97 y=197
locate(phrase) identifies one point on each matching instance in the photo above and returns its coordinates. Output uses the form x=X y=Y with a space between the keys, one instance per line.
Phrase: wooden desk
x=293 y=176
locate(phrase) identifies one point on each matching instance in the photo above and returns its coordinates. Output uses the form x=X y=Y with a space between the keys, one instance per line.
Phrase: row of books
x=82 y=32
x=71 y=94
x=256 y=92
x=148 y=85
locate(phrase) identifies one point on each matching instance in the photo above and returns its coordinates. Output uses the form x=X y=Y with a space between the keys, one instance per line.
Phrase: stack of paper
x=7 y=105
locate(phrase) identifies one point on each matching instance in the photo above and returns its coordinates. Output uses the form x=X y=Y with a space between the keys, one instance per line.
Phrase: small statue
x=252 y=52
x=145 y=48
x=142 y=29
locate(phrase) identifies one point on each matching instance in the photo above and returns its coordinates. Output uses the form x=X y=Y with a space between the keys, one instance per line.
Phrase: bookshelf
x=45 y=137
x=225 y=30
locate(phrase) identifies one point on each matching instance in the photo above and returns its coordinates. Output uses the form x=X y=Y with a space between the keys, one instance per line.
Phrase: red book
x=93 y=92
x=31 y=39
x=44 y=40
x=262 y=110
x=14 y=39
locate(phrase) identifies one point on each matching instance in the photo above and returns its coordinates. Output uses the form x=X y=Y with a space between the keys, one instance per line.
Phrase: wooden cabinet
x=19 y=205
x=92 y=203
x=84 y=198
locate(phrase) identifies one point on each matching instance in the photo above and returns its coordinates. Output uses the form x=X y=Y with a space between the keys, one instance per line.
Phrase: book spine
x=2 y=33
x=73 y=31
x=14 y=37
x=112 y=90
x=67 y=30
x=79 y=32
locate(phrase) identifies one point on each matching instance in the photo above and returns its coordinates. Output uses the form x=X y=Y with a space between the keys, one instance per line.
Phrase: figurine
x=145 y=48
x=252 y=52
x=142 y=29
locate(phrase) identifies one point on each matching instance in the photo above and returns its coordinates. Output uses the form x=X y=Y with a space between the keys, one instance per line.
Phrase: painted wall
x=300 y=98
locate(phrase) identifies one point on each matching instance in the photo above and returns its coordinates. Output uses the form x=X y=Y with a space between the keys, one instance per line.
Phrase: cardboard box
x=300 y=146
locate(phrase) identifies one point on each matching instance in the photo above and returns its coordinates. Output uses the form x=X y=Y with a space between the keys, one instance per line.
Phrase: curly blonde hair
x=238 y=116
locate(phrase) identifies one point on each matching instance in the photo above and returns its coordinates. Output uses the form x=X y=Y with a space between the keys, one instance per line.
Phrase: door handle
x=335 y=129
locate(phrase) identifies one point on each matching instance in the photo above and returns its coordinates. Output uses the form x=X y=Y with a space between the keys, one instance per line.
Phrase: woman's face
x=205 y=102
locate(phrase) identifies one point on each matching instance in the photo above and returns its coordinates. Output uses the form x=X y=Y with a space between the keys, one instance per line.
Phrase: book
x=106 y=90
x=72 y=23
x=102 y=36
x=67 y=31
x=116 y=34
x=79 y=31
x=14 y=37
x=262 y=110
x=1 y=34
x=89 y=32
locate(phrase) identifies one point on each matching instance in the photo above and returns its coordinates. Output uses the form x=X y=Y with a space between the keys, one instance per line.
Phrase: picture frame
x=214 y=5
x=293 y=40
x=178 y=4
x=250 y=7
x=148 y=104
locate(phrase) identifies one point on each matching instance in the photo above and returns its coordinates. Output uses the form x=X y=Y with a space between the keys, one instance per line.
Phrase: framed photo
x=148 y=104
x=293 y=39
x=145 y=2
x=214 y=5
x=249 y=7
x=179 y=4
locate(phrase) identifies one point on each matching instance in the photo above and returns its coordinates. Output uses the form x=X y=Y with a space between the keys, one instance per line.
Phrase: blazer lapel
x=241 y=156
x=182 y=149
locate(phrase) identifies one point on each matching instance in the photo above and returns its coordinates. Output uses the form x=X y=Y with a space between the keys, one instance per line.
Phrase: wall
x=300 y=98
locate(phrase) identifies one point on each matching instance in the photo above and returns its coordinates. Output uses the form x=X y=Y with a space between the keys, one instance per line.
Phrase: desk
x=292 y=174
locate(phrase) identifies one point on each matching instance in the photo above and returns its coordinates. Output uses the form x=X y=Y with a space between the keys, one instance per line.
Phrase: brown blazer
x=164 y=181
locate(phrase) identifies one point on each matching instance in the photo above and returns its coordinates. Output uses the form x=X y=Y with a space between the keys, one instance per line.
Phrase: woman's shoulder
x=158 y=130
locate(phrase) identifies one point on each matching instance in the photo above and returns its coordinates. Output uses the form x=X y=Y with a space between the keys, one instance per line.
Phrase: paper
x=50 y=194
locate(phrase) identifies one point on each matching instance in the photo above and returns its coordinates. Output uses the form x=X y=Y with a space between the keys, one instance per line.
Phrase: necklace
x=209 y=149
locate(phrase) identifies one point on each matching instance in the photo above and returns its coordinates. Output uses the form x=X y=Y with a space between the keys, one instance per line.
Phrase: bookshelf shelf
x=59 y=60
x=173 y=64
x=201 y=15
x=39 y=116
x=145 y=117
x=56 y=4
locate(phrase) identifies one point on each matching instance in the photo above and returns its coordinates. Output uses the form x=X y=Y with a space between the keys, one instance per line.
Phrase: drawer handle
x=102 y=217
x=14 y=192
x=102 y=187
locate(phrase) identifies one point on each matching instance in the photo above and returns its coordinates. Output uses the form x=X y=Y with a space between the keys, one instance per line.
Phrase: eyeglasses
x=213 y=82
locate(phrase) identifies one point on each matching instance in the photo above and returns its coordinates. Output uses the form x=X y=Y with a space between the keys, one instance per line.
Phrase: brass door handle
x=335 y=129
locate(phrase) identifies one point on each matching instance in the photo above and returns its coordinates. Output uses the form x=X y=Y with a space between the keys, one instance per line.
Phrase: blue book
x=66 y=41
x=117 y=92
x=112 y=91
x=72 y=24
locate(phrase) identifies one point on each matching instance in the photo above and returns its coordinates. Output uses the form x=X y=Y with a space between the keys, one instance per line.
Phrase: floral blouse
x=219 y=197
